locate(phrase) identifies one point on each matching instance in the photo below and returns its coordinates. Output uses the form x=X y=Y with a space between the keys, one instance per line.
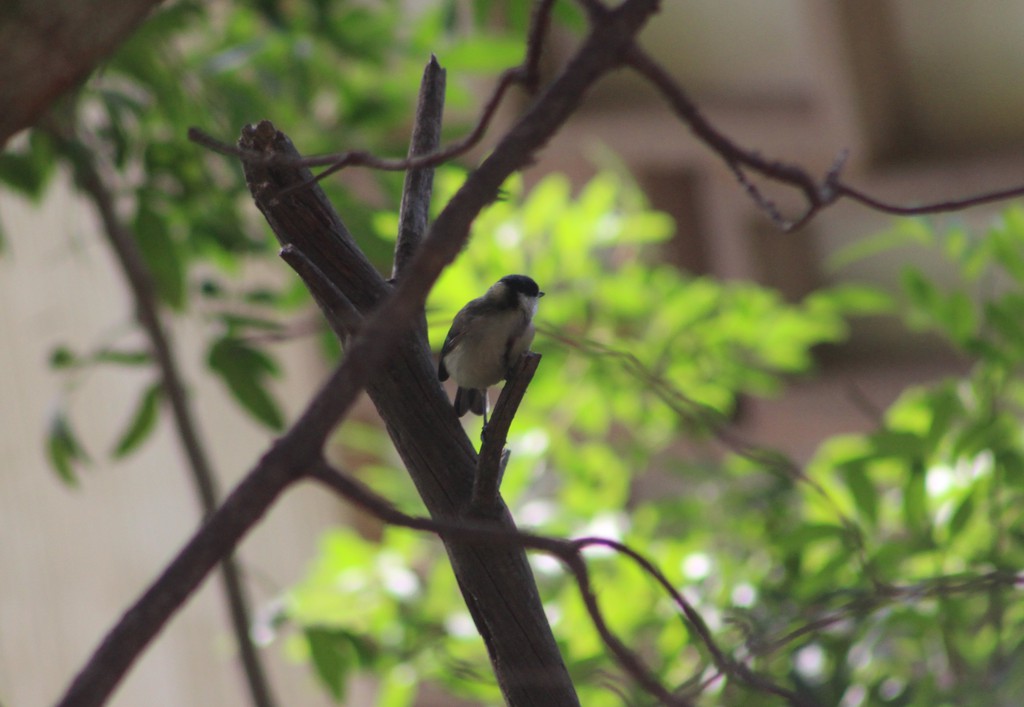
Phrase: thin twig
x=140 y=281
x=937 y=207
x=570 y=553
x=711 y=136
x=470 y=530
x=540 y=20
x=723 y=662
x=707 y=418
x=414 y=212
x=940 y=586
x=524 y=73
x=487 y=483
x=817 y=194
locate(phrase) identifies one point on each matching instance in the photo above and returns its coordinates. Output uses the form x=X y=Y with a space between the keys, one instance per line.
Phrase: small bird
x=487 y=338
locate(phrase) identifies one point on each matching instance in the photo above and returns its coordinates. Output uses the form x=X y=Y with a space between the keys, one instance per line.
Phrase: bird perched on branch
x=487 y=338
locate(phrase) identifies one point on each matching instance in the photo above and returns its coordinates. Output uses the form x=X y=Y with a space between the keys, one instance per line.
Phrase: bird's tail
x=470 y=400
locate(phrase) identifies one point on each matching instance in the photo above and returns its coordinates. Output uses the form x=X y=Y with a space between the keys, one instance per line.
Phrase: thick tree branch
x=433 y=446
x=48 y=47
x=420 y=419
x=140 y=282
x=491 y=465
x=529 y=668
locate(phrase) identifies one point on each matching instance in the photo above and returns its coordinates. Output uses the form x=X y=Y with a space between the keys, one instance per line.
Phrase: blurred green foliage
x=883 y=573
x=638 y=358
x=337 y=75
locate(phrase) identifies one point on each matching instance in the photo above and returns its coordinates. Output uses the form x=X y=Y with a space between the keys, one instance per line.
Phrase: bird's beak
x=539 y=295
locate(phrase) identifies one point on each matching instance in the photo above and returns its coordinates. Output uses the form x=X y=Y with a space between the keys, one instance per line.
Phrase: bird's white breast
x=479 y=360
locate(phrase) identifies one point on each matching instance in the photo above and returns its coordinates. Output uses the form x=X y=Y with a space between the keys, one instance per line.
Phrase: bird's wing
x=450 y=342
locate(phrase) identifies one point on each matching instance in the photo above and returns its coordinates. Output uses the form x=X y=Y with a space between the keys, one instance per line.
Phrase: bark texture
x=496 y=581
x=48 y=47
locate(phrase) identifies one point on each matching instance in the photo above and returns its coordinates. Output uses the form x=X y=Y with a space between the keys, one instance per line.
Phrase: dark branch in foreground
x=147 y=311
x=382 y=355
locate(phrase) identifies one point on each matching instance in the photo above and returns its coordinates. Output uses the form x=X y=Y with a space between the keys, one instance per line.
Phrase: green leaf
x=142 y=423
x=862 y=490
x=235 y=322
x=810 y=533
x=123 y=358
x=244 y=368
x=332 y=655
x=894 y=443
x=922 y=291
x=1006 y=321
x=62 y=357
x=945 y=408
x=481 y=54
x=29 y=171
x=398 y=688
x=914 y=502
x=63 y=448
x=1006 y=243
x=904 y=232
x=957 y=316
x=163 y=257
x=961 y=515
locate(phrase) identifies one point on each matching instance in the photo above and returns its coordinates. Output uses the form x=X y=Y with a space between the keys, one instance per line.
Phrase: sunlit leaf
x=863 y=491
x=481 y=55
x=914 y=502
x=332 y=656
x=962 y=515
x=398 y=688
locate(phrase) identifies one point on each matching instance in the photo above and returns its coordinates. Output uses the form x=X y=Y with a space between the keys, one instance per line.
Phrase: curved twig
x=818 y=194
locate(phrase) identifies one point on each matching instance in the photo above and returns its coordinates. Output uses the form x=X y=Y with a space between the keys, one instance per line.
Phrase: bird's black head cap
x=522 y=284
